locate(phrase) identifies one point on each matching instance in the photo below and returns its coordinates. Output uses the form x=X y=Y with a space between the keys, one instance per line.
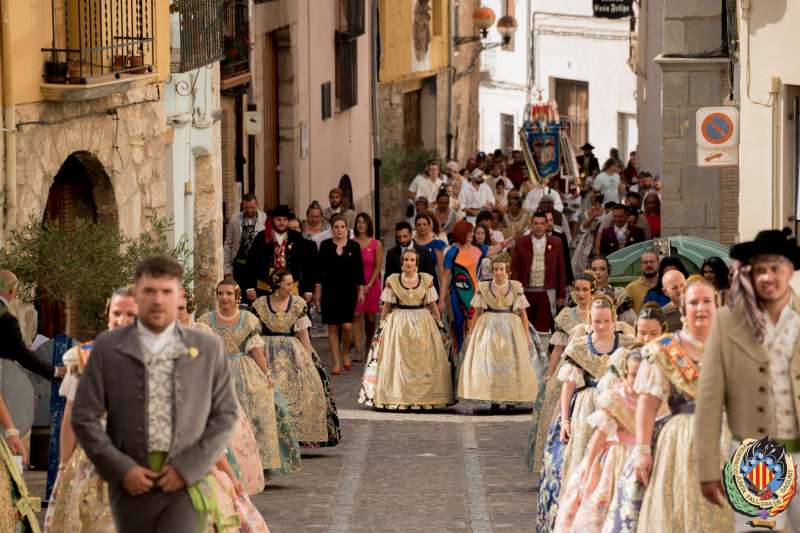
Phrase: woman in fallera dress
x=270 y=419
x=590 y=488
x=585 y=363
x=567 y=320
x=290 y=359
x=498 y=364
x=408 y=366
x=79 y=502
x=14 y=493
x=662 y=458
x=242 y=453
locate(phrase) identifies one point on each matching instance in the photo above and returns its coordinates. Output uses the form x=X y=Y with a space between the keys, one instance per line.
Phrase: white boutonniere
x=549 y=246
x=289 y=246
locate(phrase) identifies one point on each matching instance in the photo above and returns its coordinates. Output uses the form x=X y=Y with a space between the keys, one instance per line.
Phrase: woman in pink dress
x=372 y=259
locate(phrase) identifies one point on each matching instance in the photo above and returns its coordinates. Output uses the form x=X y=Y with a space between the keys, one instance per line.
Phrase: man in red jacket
x=538 y=263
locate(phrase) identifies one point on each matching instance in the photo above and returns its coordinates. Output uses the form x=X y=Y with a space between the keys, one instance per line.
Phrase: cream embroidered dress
x=253 y=390
x=672 y=498
x=407 y=366
x=589 y=490
x=79 y=503
x=293 y=369
x=497 y=366
x=566 y=322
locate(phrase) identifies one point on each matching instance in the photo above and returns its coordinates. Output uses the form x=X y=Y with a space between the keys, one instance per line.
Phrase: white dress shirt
x=532 y=199
x=155 y=342
x=475 y=198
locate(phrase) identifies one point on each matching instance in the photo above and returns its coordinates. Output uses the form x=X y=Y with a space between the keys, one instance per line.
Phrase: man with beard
x=284 y=248
x=338 y=208
x=402 y=237
x=621 y=233
x=242 y=229
x=750 y=364
x=638 y=288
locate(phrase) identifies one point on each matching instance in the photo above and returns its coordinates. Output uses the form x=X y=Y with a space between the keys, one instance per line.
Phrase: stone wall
x=691 y=195
x=699 y=201
x=125 y=132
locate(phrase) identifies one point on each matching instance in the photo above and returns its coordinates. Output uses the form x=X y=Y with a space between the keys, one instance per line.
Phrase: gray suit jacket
x=115 y=382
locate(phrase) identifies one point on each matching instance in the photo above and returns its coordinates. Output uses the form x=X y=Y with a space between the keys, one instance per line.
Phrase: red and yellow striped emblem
x=760 y=476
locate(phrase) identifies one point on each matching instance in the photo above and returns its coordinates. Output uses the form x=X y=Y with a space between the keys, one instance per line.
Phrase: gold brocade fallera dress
x=497 y=366
x=293 y=369
x=79 y=503
x=253 y=390
x=673 y=499
x=408 y=367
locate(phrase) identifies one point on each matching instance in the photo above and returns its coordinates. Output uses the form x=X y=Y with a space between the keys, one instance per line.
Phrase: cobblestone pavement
x=455 y=470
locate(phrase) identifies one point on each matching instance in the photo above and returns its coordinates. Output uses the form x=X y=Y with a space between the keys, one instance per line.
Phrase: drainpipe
x=9 y=133
x=376 y=146
x=776 y=178
x=451 y=72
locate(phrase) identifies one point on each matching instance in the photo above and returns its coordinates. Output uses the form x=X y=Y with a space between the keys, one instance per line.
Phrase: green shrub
x=402 y=163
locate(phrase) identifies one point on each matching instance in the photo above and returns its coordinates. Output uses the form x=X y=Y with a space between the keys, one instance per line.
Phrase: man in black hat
x=280 y=247
x=587 y=162
x=751 y=363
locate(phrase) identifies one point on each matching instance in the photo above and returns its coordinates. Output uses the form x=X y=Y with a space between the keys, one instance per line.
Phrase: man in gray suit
x=169 y=403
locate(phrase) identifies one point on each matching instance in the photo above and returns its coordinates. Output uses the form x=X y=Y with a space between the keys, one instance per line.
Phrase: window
x=506 y=132
x=350 y=19
x=346 y=73
x=572 y=98
x=198 y=27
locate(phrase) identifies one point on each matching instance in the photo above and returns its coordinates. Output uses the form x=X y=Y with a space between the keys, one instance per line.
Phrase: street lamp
x=483 y=17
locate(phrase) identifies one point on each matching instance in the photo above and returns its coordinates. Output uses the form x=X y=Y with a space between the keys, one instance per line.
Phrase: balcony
x=196 y=34
x=99 y=48
x=235 y=67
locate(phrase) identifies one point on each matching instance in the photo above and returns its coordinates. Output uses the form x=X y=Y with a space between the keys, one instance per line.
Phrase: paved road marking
x=479 y=519
x=350 y=483
x=363 y=414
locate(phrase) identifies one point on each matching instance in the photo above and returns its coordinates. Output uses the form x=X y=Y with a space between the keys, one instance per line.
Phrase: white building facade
x=562 y=53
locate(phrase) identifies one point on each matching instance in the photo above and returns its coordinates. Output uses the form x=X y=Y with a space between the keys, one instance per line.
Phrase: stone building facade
x=699 y=201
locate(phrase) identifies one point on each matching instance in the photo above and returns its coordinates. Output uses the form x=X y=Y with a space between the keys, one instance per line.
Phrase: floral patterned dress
x=584 y=366
x=672 y=499
x=79 y=502
x=590 y=488
x=262 y=403
x=296 y=373
x=546 y=405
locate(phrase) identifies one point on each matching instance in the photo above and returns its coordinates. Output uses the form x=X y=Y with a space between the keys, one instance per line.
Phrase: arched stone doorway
x=81 y=190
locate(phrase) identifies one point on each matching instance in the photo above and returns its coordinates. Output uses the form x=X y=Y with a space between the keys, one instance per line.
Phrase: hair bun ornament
x=787 y=232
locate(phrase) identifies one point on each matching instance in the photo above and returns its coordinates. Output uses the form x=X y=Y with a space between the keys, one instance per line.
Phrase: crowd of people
x=496 y=293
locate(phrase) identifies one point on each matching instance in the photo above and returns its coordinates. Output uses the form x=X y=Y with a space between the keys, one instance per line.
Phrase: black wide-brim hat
x=281 y=210
x=769 y=242
x=587 y=146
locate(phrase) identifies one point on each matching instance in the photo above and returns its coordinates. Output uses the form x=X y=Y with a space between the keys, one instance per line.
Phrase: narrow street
x=449 y=471
x=444 y=471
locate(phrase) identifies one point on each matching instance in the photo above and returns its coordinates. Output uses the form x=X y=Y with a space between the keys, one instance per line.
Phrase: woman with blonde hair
x=585 y=363
x=664 y=466
x=498 y=364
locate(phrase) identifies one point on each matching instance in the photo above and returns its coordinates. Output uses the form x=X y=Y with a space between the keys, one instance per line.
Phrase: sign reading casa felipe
x=760 y=480
x=612 y=9
x=717 y=136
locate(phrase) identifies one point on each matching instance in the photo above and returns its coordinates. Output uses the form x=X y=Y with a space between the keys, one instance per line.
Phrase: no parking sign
x=717 y=136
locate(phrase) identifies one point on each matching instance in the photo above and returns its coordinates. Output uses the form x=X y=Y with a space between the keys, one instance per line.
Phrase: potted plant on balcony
x=55 y=71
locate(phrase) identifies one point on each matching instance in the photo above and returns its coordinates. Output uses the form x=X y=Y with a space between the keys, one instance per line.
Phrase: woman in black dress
x=342 y=280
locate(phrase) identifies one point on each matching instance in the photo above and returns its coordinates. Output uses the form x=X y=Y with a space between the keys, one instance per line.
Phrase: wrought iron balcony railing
x=236 y=38
x=196 y=39
x=96 y=39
